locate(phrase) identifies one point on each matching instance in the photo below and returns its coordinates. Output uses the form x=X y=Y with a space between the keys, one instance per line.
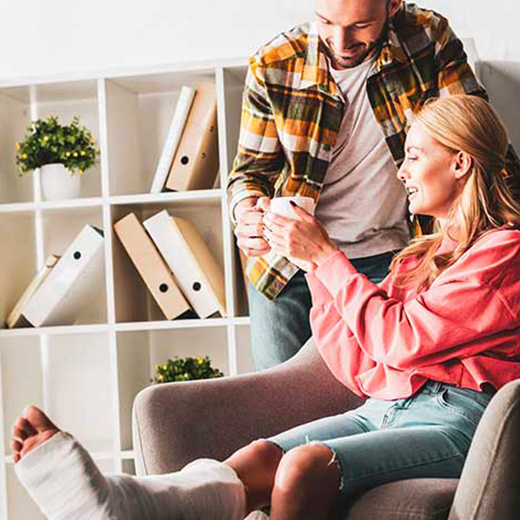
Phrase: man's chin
x=348 y=63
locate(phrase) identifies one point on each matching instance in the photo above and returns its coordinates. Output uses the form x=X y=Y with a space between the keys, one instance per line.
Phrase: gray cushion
x=414 y=499
x=417 y=499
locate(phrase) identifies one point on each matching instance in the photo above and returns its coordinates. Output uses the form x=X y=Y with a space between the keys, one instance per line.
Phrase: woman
x=428 y=346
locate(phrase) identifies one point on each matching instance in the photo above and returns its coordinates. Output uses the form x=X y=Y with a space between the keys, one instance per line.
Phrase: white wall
x=47 y=37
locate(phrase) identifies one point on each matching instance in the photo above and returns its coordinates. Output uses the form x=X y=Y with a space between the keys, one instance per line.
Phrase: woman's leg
x=43 y=453
x=256 y=466
x=307 y=484
x=427 y=435
x=66 y=484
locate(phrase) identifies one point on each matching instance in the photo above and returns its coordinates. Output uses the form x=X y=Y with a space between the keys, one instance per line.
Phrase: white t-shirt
x=362 y=204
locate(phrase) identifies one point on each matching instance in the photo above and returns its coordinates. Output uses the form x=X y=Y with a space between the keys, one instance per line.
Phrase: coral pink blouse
x=386 y=342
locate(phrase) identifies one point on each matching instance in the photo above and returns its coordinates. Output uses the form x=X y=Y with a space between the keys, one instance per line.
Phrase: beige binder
x=151 y=266
x=15 y=318
x=180 y=118
x=195 y=164
x=190 y=259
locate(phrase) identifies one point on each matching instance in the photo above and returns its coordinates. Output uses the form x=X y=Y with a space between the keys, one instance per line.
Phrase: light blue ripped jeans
x=426 y=435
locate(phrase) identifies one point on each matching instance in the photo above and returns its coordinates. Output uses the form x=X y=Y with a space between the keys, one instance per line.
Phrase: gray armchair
x=179 y=422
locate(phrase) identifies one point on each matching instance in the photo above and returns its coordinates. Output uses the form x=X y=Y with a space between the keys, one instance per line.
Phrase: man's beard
x=358 y=60
x=372 y=46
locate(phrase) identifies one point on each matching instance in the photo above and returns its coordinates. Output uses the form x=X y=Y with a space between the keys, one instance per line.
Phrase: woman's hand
x=303 y=240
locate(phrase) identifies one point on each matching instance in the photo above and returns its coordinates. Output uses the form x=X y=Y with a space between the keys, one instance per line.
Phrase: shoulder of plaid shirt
x=292 y=111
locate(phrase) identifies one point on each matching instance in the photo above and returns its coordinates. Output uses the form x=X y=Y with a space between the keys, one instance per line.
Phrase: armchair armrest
x=488 y=487
x=176 y=423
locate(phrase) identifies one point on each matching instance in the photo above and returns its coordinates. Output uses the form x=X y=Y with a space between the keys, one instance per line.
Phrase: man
x=325 y=114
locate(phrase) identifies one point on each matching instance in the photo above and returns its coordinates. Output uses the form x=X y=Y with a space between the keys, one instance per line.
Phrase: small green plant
x=47 y=142
x=185 y=369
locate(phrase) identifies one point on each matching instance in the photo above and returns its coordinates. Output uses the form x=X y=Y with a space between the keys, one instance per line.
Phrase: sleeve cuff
x=235 y=199
x=335 y=272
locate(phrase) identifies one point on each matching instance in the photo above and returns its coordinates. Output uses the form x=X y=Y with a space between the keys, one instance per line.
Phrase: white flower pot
x=58 y=183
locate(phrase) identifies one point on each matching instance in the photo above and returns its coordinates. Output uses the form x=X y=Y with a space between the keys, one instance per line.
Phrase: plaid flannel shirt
x=292 y=111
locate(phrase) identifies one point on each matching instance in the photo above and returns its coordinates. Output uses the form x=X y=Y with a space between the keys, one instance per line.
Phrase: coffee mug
x=282 y=205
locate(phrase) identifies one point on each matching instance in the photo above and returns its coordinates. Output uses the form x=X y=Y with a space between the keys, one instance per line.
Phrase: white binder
x=172 y=140
x=73 y=282
x=191 y=261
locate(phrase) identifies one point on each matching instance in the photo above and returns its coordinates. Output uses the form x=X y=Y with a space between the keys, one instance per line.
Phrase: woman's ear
x=463 y=164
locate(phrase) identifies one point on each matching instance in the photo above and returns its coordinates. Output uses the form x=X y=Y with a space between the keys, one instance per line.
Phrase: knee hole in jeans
x=304 y=467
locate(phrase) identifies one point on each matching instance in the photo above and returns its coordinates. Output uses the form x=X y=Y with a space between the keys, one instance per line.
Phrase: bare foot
x=30 y=430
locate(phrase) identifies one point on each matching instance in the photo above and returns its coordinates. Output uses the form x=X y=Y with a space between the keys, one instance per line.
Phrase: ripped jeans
x=425 y=435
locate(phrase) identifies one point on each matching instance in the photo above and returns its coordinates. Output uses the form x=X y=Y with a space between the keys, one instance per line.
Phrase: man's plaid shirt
x=292 y=111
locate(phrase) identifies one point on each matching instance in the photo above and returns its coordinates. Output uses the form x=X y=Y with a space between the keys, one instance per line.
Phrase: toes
x=28 y=427
x=22 y=429
x=19 y=433
x=16 y=448
x=38 y=421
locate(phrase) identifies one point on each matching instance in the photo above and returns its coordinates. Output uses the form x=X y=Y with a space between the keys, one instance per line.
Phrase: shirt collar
x=391 y=48
x=315 y=67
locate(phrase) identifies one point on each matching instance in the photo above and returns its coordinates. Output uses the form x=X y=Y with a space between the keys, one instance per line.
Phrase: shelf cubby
x=139 y=352
x=140 y=110
x=22 y=380
x=67 y=100
x=78 y=388
x=15 y=114
x=133 y=299
x=18 y=258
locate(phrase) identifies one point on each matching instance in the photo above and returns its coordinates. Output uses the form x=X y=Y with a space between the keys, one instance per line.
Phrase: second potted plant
x=62 y=152
x=186 y=369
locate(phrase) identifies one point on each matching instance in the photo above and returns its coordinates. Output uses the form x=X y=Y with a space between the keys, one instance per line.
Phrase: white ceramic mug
x=282 y=206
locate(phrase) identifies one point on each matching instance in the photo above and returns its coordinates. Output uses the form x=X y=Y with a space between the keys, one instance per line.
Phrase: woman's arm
x=445 y=322
x=334 y=340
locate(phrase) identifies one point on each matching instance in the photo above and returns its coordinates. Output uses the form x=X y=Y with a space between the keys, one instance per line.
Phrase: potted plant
x=62 y=152
x=185 y=369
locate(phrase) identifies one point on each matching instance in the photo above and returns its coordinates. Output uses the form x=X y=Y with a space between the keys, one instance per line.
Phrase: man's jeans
x=280 y=327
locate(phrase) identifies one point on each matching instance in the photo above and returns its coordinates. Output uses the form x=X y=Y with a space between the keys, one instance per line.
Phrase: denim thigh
x=424 y=436
x=280 y=327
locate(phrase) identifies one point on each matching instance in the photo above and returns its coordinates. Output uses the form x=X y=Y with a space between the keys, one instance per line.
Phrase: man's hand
x=302 y=240
x=250 y=228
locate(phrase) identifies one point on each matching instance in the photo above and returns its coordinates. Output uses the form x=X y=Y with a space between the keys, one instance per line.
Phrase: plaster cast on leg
x=66 y=484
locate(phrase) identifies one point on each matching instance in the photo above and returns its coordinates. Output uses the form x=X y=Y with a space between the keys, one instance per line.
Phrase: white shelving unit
x=86 y=375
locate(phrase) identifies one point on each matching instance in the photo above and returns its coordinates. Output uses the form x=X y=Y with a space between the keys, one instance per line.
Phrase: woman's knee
x=308 y=468
x=258 y=454
x=265 y=451
x=256 y=465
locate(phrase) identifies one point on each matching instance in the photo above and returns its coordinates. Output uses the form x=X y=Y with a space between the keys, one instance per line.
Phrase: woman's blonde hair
x=468 y=124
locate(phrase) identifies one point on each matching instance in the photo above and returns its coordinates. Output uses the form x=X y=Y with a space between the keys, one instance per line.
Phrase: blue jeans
x=424 y=436
x=280 y=327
